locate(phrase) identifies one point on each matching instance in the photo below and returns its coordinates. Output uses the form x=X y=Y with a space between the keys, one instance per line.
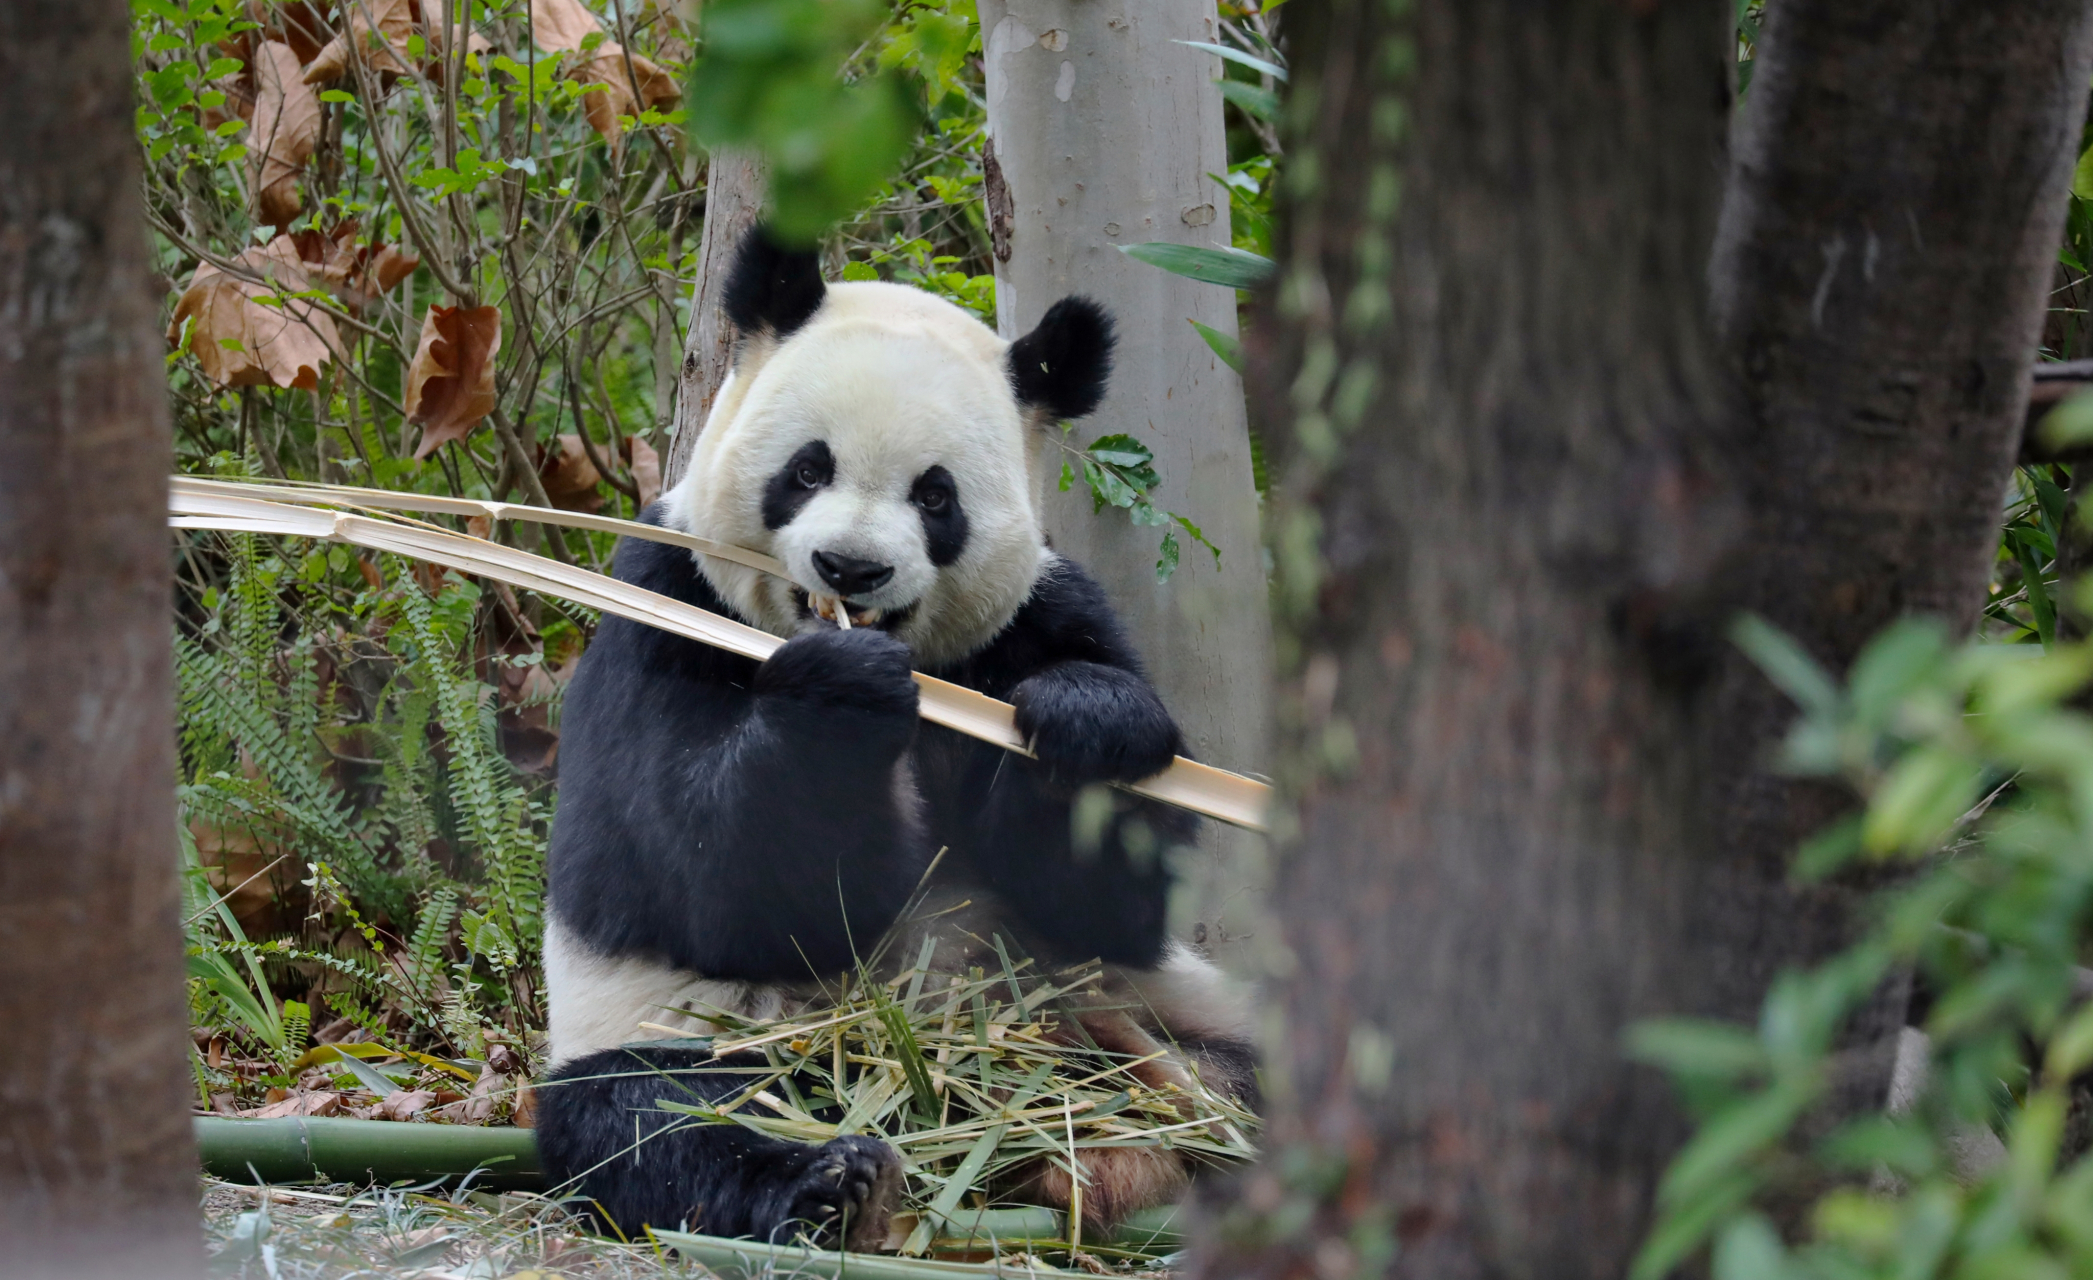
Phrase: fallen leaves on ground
x=281 y=135
x=301 y=1103
x=450 y=384
x=564 y=26
x=356 y=273
x=241 y=341
x=488 y=1093
x=403 y=1104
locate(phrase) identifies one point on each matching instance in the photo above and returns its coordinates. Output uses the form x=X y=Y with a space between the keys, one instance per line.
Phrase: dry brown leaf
x=377 y=32
x=298 y=1104
x=560 y=26
x=526 y=1112
x=301 y=24
x=450 y=385
x=569 y=477
x=284 y=129
x=387 y=52
x=403 y=1103
x=241 y=342
x=478 y=1108
x=646 y=469
x=356 y=273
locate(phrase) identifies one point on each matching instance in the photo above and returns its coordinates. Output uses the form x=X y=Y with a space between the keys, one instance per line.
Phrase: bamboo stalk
x=1203 y=789
x=328 y=1149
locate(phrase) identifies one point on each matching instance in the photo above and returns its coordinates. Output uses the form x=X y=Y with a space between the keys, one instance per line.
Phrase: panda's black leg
x=603 y=1138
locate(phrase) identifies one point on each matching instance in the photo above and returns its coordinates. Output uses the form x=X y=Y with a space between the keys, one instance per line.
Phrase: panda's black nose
x=850 y=575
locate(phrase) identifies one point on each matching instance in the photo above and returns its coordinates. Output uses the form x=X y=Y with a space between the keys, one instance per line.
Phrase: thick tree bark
x=1104 y=130
x=733 y=200
x=97 y=1164
x=1523 y=497
x=1879 y=281
x=1502 y=396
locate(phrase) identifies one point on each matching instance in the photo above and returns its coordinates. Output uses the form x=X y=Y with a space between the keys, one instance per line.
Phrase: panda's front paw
x=847 y=1193
x=1092 y=723
x=860 y=670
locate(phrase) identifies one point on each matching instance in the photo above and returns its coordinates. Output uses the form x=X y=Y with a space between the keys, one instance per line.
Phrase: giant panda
x=731 y=833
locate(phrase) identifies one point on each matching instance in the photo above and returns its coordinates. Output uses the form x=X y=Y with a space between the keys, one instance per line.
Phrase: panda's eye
x=809 y=476
x=931 y=500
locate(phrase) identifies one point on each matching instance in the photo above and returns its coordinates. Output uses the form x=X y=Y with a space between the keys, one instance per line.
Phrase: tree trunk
x=1502 y=395
x=1104 y=130
x=1521 y=502
x=97 y=1163
x=733 y=200
x=1879 y=282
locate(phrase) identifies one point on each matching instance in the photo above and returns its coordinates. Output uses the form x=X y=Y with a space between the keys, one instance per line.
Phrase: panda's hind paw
x=848 y=1192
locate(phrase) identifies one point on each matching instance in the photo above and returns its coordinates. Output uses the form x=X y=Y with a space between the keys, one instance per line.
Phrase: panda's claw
x=854 y=1182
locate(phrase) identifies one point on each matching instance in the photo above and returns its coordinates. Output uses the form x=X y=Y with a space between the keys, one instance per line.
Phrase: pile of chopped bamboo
x=972 y=1077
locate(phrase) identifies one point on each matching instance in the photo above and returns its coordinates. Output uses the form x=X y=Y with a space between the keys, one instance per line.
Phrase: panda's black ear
x=1063 y=365
x=772 y=289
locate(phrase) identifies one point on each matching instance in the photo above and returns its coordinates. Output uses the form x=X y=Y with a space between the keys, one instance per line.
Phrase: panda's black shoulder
x=1067 y=617
x=671 y=571
x=659 y=567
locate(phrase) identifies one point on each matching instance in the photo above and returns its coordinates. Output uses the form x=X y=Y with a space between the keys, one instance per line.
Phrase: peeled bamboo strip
x=342 y=495
x=193 y=504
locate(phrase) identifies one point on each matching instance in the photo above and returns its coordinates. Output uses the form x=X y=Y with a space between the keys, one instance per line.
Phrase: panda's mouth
x=846 y=615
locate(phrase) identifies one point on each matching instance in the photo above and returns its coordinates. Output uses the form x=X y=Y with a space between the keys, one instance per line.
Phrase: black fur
x=789 y=490
x=743 y=821
x=633 y=1167
x=772 y=289
x=936 y=495
x=734 y=819
x=1062 y=366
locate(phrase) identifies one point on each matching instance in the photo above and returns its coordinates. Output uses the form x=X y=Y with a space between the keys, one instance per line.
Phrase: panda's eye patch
x=809 y=468
x=936 y=497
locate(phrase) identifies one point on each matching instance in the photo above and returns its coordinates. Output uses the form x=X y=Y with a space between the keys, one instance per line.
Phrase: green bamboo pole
x=377 y=1151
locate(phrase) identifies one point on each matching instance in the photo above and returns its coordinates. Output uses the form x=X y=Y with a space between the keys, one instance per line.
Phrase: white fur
x=597 y=1002
x=1189 y=995
x=895 y=380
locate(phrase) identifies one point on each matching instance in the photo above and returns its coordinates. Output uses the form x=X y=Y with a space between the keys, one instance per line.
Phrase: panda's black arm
x=1089 y=714
x=736 y=819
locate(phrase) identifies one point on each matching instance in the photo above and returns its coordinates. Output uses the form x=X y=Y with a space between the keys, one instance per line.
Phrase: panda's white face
x=881 y=454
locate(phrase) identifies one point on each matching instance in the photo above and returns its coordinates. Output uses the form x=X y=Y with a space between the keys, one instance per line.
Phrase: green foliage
x=417 y=871
x=1235 y=268
x=1120 y=472
x=772 y=79
x=1975 y=765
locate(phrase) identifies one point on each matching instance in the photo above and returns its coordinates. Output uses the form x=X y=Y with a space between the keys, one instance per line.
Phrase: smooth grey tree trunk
x=1104 y=131
x=733 y=200
x=98 y=1173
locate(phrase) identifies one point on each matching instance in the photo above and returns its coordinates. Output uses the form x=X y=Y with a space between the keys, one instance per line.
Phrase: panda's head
x=877 y=440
